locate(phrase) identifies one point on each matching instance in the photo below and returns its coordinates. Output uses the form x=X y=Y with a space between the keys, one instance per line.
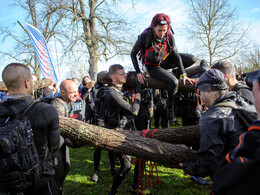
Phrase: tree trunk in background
x=169 y=155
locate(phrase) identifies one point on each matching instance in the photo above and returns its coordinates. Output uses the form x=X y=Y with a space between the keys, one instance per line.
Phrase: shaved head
x=69 y=90
x=14 y=75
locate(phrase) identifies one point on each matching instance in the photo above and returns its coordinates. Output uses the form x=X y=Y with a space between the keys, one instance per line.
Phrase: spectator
x=219 y=125
x=87 y=96
x=68 y=93
x=230 y=72
x=44 y=120
x=241 y=174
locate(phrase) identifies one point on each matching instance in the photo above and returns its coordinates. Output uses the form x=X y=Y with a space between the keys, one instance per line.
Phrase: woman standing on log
x=158 y=52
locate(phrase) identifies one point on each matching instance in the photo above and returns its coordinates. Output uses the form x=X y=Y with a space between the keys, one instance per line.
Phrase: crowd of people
x=226 y=147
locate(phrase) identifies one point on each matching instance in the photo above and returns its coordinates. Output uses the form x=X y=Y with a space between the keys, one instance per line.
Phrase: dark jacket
x=61 y=106
x=245 y=92
x=220 y=129
x=61 y=157
x=119 y=111
x=142 y=120
x=241 y=174
x=88 y=106
x=45 y=124
x=141 y=44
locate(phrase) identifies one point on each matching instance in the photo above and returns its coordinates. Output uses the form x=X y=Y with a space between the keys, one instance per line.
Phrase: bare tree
x=42 y=14
x=215 y=29
x=249 y=60
x=98 y=26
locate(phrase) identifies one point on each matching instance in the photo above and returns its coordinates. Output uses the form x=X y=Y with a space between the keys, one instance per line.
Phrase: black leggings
x=161 y=73
x=125 y=167
x=97 y=157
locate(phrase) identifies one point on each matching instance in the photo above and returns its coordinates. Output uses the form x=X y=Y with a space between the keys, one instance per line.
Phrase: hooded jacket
x=45 y=124
x=220 y=129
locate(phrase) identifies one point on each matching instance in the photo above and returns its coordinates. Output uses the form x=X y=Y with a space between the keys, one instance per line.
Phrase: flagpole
x=23 y=28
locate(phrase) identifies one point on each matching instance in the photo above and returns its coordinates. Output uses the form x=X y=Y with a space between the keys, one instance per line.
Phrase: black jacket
x=220 y=129
x=241 y=174
x=88 y=106
x=245 y=92
x=45 y=124
x=119 y=111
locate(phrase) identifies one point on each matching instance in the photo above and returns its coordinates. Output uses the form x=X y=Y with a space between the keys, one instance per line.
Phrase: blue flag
x=42 y=53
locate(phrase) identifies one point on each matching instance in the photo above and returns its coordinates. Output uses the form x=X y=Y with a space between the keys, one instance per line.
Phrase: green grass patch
x=78 y=181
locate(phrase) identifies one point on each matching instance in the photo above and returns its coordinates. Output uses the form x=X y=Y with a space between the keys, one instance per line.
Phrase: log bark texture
x=124 y=142
x=188 y=135
x=104 y=78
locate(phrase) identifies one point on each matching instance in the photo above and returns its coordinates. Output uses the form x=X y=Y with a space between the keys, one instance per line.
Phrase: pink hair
x=161 y=17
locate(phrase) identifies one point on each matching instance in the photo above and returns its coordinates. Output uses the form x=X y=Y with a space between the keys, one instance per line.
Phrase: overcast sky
x=249 y=11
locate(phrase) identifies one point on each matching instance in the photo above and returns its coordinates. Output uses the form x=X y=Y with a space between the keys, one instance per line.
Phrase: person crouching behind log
x=68 y=93
x=158 y=51
x=220 y=126
x=119 y=115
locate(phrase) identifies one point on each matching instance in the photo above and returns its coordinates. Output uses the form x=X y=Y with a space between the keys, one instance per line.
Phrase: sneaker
x=134 y=190
x=199 y=180
x=95 y=177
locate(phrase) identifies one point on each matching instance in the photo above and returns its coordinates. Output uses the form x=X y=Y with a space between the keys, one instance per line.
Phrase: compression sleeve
x=123 y=105
x=139 y=44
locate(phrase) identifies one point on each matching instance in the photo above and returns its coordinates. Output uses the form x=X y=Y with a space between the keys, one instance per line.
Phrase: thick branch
x=169 y=155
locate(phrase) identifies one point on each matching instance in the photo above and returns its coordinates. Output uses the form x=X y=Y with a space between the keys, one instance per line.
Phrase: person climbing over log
x=158 y=52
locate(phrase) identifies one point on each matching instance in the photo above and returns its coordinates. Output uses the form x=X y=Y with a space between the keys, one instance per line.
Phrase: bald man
x=44 y=121
x=68 y=93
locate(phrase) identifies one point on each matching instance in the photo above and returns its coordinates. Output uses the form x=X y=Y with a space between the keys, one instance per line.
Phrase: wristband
x=182 y=75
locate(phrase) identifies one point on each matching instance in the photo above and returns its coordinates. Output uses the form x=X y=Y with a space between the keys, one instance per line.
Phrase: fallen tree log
x=169 y=155
x=103 y=77
x=188 y=135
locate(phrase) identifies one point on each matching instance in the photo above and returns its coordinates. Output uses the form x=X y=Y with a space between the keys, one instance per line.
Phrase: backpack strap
x=30 y=105
x=230 y=104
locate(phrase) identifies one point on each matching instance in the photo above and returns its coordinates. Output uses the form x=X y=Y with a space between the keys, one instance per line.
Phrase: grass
x=78 y=181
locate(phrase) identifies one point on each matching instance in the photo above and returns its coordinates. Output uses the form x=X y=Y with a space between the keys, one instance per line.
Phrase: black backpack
x=20 y=166
x=102 y=116
x=245 y=112
x=100 y=105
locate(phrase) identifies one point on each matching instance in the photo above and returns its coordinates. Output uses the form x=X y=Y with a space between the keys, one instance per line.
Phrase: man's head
x=117 y=74
x=68 y=90
x=18 y=79
x=229 y=71
x=212 y=84
x=75 y=80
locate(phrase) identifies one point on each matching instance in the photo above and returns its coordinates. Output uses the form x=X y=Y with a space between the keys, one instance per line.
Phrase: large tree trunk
x=124 y=142
x=103 y=77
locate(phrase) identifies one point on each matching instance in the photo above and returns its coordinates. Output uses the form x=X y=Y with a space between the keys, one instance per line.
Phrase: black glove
x=137 y=86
